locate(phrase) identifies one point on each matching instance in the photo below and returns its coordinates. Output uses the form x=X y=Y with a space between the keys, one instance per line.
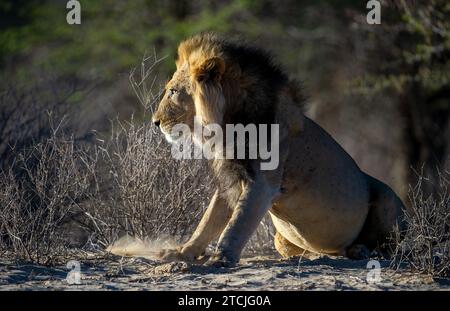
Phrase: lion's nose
x=156 y=122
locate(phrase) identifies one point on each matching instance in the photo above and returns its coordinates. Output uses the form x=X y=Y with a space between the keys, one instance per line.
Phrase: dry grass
x=425 y=245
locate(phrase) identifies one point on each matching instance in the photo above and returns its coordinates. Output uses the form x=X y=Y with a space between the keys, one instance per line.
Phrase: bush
x=425 y=245
x=127 y=185
x=150 y=194
x=37 y=194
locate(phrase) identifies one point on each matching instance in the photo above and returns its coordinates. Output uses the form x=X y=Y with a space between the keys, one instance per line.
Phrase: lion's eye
x=172 y=91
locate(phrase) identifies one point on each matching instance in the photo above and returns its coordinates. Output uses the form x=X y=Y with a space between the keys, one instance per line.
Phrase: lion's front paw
x=175 y=254
x=220 y=261
x=171 y=254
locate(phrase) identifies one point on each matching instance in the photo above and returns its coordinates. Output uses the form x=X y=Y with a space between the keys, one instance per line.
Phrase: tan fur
x=318 y=198
x=286 y=248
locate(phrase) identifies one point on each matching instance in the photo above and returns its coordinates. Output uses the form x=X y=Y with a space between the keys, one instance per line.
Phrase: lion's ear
x=209 y=70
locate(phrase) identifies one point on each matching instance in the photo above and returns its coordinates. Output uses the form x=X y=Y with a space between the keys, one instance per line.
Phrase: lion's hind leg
x=286 y=248
x=385 y=213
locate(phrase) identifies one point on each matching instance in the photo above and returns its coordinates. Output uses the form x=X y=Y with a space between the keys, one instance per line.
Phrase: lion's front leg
x=254 y=202
x=211 y=225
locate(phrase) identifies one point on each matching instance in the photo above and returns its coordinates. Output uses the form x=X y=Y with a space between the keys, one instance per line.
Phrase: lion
x=318 y=198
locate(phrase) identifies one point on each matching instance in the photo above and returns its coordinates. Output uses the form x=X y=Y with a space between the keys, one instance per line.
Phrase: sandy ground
x=257 y=273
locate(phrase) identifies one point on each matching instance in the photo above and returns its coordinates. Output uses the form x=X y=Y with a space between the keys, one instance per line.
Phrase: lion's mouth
x=172 y=136
x=168 y=136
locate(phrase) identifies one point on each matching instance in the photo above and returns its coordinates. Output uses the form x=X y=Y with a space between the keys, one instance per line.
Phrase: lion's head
x=195 y=88
x=220 y=81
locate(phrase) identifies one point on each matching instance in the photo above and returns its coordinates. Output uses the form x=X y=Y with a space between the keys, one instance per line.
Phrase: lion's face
x=196 y=88
x=177 y=104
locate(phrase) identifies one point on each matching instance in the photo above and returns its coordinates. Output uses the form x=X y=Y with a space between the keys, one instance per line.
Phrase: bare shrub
x=425 y=245
x=150 y=195
x=37 y=194
x=127 y=185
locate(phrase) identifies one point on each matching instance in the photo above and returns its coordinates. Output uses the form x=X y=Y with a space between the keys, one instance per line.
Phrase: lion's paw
x=218 y=261
x=171 y=254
